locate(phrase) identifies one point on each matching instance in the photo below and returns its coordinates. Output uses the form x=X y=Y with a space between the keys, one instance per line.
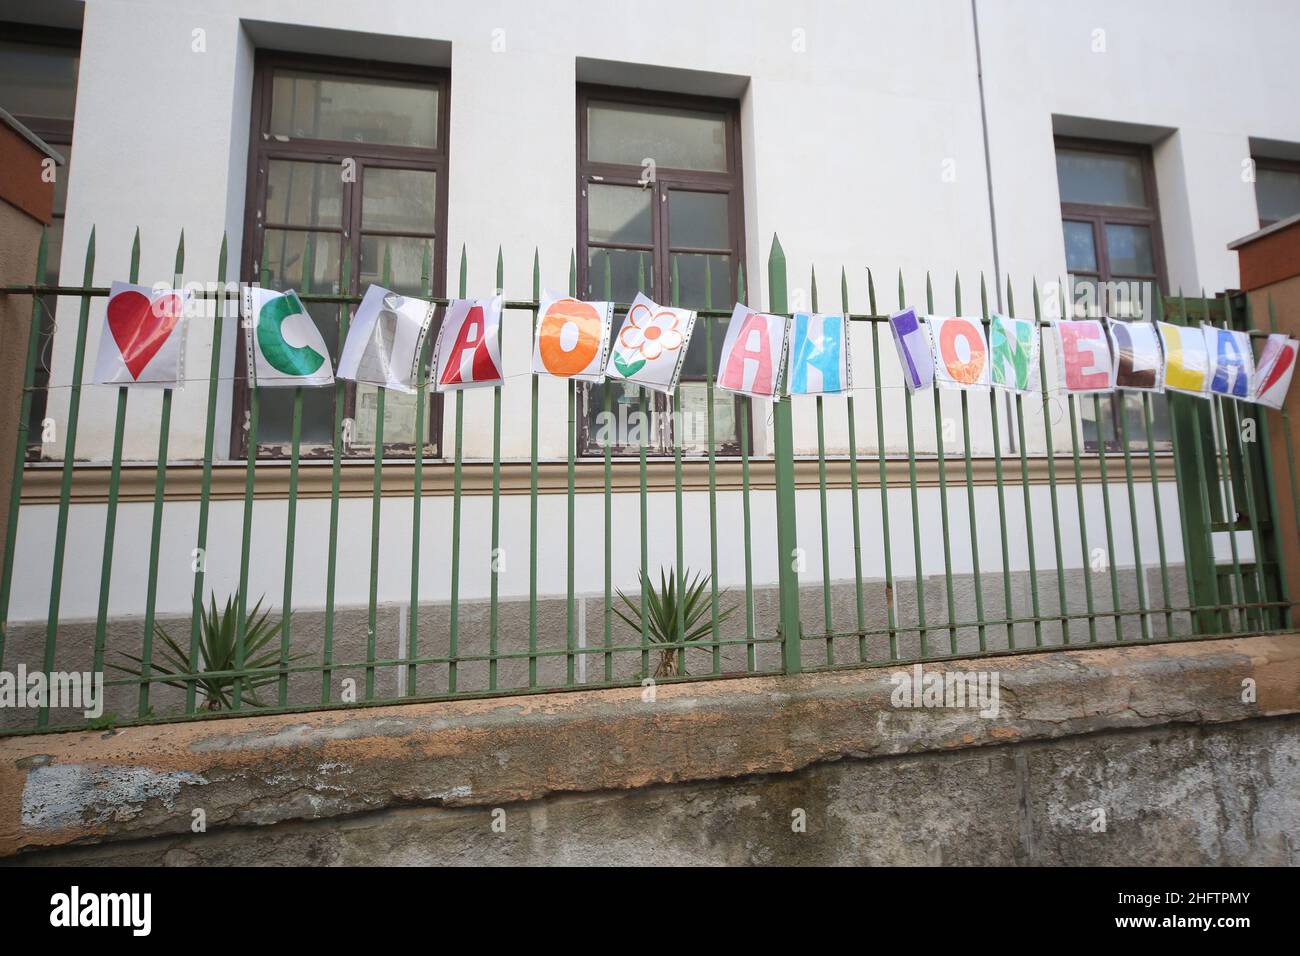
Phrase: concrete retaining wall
x=1178 y=753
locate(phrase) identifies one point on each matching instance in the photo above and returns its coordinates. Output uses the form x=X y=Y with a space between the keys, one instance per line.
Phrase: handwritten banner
x=1085 y=361
x=1135 y=346
x=572 y=338
x=143 y=339
x=752 y=353
x=385 y=340
x=284 y=349
x=1187 y=360
x=912 y=339
x=819 y=355
x=1232 y=361
x=651 y=344
x=961 y=352
x=1276 y=365
x=467 y=352
x=1013 y=354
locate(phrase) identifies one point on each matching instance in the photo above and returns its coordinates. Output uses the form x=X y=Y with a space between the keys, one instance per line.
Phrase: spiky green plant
x=661 y=616
x=217 y=653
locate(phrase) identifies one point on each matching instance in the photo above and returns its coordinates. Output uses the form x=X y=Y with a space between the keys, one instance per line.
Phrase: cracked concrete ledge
x=92 y=787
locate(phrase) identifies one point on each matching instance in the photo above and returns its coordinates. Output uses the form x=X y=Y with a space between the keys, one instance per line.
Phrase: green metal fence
x=1222 y=481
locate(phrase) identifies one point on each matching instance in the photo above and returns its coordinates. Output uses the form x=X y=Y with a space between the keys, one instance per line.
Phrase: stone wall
x=1176 y=753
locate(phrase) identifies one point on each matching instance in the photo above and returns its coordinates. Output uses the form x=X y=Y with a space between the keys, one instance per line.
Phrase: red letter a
x=733 y=376
x=470 y=337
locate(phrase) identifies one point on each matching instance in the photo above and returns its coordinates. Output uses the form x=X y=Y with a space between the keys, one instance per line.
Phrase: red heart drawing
x=141 y=327
x=1284 y=360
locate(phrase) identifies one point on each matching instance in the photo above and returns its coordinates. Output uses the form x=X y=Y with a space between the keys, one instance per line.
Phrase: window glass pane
x=304 y=194
x=38 y=81
x=1088 y=420
x=625 y=425
x=1277 y=193
x=353 y=109
x=697 y=353
x=618 y=214
x=1104 y=179
x=693 y=402
x=625 y=266
x=691 y=280
x=404 y=200
x=399 y=416
x=395 y=262
x=630 y=134
x=1080 y=252
x=1129 y=249
x=1135 y=420
x=698 y=220
x=283 y=252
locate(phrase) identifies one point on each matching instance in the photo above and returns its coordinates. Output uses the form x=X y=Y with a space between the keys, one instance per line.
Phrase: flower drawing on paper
x=649 y=333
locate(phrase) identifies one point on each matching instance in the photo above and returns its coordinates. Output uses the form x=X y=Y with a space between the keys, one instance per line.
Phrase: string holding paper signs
x=650 y=348
x=819 y=355
x=1139 y=365
x=1187 y=360
x=1276 y=366
x=1084 y=357
x=1013 y=354
x=752 y=353
x=572 y=338
x=143 y=339
x=282 y=345
x=1232 y=361
x=915 y=351
x=467 y=351
x=961 y=352
x=385 y=340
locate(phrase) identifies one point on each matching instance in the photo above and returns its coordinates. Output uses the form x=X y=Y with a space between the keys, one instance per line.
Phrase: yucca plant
x=661 y=616
x=217 y=653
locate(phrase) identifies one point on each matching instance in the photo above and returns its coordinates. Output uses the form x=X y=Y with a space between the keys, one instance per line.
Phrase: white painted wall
x=845 y=144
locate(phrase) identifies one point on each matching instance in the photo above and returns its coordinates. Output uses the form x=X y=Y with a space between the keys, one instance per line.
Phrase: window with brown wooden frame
x=1277 y=189
x=38 y=87
x=1115 y=259
x=347 y=163
x=660 y=187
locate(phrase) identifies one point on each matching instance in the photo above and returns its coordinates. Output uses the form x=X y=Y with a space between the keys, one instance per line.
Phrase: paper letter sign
x=143 y=341
x=1232 y=361
x=912 y=339
x=572 y=338
x=1013 y=354
x=752 y=353
x=1085 y=357
x=283 y=346
x=961 y=353
x=467 y=352
x=819 y=355
x=651 y=345
x=1187 y=363
x=1276 y=364
x=1136 y=347
x=386 y=340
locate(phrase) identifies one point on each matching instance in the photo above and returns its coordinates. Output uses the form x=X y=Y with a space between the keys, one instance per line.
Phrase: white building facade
x=987 y=139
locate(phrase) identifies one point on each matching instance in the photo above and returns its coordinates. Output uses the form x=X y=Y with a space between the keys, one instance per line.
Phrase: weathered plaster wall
x=1173 y=795
x=1186 y=765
